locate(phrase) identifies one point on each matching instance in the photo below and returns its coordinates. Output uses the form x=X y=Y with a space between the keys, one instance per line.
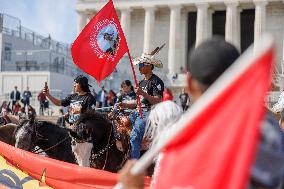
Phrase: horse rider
x=267 y=171
x=150 y=91
x=126 y=93
x=79 y=102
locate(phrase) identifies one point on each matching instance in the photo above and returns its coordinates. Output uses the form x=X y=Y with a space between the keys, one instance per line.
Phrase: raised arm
x=54 y=100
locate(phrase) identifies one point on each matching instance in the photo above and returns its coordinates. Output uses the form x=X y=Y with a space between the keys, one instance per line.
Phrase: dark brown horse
x=53 y=140
x=94 y=132
x=56 y=142
x=7 y=133
x=97 y=129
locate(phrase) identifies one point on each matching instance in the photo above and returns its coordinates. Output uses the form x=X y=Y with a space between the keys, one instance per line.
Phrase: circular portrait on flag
x=108 y=39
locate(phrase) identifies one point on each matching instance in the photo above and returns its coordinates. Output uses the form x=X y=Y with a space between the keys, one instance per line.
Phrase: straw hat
x=149 y=58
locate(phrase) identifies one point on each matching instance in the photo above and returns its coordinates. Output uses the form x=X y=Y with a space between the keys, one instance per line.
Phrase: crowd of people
x=19 y=103
x=150 y=91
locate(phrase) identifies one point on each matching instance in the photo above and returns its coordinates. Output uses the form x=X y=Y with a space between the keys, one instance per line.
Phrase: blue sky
x=55 y=17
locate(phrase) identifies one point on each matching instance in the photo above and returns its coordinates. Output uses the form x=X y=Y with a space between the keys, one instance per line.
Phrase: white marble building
x=183 y=24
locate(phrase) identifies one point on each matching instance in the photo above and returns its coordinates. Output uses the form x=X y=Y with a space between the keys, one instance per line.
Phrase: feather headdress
x=149 y=58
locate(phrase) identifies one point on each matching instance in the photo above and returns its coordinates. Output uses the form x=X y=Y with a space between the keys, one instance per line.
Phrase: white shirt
x=103 y=96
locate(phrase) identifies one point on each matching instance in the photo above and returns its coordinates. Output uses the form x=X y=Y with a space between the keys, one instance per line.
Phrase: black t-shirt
x=154 y=87
x=78 y=104
x=127 y=97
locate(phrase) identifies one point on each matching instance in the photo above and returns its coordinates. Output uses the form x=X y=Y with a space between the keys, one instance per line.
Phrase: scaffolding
x=50 y=55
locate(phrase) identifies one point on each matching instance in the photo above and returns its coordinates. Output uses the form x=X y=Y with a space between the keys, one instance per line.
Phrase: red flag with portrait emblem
x=100 y=45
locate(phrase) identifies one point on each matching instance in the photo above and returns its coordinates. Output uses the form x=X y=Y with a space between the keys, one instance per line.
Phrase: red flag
x=100 y=45
x=216 y=148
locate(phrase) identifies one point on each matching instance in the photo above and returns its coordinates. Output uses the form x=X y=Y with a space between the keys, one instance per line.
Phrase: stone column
x=174 y=40
x=149 y=29
x=1 y=43
x=89 y=16
x=202 y=24
x=232 y=33
x=282 y=62
x=125 y=21
x=81 y=21
x=260 y=19
x=210 y=23
x=1 y=23
x=1 y=50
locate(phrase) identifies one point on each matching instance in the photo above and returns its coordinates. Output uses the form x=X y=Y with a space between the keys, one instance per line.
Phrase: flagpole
x=135 y=81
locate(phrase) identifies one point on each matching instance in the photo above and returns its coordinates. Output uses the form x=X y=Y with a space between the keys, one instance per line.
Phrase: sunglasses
x=141 y=65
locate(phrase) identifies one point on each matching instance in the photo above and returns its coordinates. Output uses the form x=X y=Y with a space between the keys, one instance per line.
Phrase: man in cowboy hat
x=150 y=91
x=79 y=102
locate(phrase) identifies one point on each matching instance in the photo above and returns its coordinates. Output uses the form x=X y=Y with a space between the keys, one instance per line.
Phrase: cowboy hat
x=149 y=58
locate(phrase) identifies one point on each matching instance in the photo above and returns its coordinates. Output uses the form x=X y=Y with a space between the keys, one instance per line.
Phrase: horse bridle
x=39 y=137
x=104 y=150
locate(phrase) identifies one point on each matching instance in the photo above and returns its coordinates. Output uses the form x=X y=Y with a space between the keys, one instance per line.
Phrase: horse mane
x=92 y=115
x=50 y=127
x=46 y=126
x=21 y=123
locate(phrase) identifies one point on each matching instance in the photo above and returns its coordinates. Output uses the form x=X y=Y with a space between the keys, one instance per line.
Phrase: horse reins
x=38 y=151
x=102 y=151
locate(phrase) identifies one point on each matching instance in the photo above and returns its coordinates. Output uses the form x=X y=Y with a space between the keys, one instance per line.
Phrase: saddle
x=123 y=127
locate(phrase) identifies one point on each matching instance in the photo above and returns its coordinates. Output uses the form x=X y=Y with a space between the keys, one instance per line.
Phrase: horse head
x=92 y=124
x=25 y=134
x=92 y=131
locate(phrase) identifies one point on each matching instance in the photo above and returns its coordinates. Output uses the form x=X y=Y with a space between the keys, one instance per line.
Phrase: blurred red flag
x=46 y=173
x=217 y=147
x=100 y=45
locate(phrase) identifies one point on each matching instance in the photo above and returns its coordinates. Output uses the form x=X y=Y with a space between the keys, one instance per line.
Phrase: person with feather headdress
x=150 y=91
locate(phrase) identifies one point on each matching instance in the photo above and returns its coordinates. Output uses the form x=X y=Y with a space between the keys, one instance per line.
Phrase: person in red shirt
x=16 y=108
x=167 y=95
x=42 y=100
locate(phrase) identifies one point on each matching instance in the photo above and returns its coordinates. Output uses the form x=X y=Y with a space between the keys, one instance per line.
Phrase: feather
x=156 y=50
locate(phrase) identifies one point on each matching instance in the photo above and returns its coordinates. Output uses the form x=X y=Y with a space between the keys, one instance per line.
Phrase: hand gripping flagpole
x=136 y=83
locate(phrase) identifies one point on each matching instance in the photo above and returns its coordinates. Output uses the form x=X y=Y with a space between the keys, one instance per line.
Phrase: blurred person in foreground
x=216 y=55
